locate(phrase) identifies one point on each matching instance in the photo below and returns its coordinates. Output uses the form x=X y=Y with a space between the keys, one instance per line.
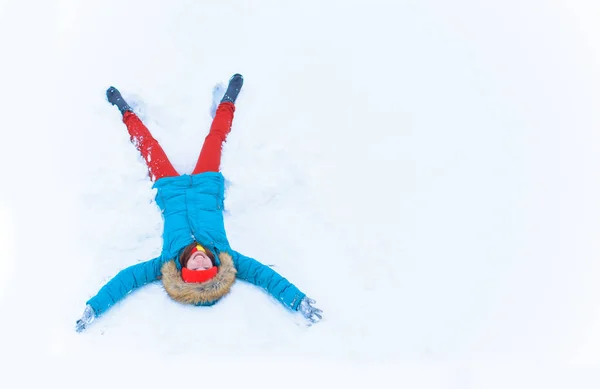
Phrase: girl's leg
x=210 y=155
x=159 y=165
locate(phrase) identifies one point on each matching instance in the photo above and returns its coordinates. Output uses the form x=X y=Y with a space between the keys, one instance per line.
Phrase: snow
x=425 y=170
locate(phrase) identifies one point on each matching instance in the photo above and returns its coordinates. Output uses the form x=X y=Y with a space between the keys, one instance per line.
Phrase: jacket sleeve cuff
x=296 y=301
x=94 y=304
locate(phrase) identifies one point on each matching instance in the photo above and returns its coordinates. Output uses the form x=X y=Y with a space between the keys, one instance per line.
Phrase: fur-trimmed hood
x=204 y=293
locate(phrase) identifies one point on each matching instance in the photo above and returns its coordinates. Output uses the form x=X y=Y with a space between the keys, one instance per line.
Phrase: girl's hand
x=88 y=316
x=308 y=311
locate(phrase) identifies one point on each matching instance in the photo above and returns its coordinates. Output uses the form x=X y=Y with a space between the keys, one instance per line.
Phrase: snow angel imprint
x=196 y=265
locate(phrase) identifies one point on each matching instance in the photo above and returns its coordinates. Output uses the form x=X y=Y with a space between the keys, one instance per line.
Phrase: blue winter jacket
x=192 y=209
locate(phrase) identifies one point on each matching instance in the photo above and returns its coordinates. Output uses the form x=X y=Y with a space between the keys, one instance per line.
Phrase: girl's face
x=199 y=261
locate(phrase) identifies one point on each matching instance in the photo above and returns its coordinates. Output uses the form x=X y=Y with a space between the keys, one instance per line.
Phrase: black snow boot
x=233 y=89
x=114 y=97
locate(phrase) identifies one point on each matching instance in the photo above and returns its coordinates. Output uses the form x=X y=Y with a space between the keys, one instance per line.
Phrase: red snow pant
x=159 y=165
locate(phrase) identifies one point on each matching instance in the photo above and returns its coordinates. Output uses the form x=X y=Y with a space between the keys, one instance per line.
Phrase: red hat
x=198 y=275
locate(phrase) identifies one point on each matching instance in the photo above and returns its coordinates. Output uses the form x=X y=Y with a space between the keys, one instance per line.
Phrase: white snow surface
x=426 y=170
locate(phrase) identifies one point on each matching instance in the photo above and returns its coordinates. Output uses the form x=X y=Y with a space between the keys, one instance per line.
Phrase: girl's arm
x=123 y=283
x=249 y=269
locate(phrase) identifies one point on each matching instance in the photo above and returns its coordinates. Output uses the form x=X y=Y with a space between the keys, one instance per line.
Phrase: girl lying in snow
x=197 y=265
